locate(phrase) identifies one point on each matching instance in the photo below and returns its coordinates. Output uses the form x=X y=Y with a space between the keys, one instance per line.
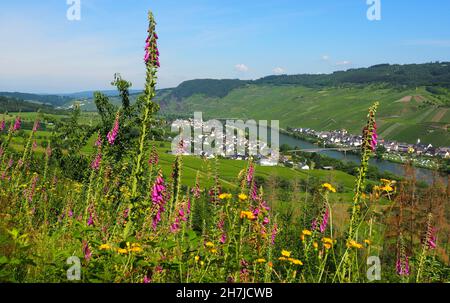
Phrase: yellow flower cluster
x=305 y=233
x=327 y=243
x=354 y=244
x=225 y=196
x=286 y=253
x=104 y=247
x=243 y=197
x=329 y=187
x=131 y=248
x=286 y=256
x=211 y=247
x=387 y=185
x=247 y=215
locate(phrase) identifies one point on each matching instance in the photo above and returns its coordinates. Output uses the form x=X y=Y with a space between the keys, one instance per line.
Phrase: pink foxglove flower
x=36 y=126
x=402 y=266
x=96 y=163
x=99 y=140
x=251 y=171
x=254 y=192
x=151 y=56
x=112 y=135
x=90 y=221
x=48 y=151
x=158 y=199
x=323 y=225
x=274 y=234
x=17 y=124
x=223 y=238
x=86 y=251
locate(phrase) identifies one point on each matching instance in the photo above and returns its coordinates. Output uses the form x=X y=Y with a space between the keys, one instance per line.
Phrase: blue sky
x=41 y=51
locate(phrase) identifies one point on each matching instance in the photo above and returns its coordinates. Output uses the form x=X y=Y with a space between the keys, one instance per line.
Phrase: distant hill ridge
x=55 y=100
x=407 y=76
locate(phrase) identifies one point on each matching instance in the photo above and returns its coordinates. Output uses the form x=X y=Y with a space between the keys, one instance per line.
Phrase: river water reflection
x=422 y=174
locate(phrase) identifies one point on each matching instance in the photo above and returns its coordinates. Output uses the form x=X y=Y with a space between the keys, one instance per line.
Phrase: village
x=342 y=138
x=424 y=155
x=238 y=147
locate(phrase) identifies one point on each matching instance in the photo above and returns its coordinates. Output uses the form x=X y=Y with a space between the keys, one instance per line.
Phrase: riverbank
x=417 y=161
x=422 y=174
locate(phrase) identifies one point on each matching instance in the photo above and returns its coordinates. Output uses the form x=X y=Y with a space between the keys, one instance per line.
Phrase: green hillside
x=46 y=99
x=405 y=114
x=414 y=98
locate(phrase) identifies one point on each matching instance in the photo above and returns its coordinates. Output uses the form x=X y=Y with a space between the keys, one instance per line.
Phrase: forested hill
x=410 y=75
x=45 y=99
x=431 y=75
x=8 y=104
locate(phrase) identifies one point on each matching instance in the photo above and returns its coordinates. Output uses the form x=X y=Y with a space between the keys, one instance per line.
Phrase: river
x=422 y=174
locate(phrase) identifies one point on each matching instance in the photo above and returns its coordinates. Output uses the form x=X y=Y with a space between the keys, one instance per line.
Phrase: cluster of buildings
x=235 y=146
x=344 y=139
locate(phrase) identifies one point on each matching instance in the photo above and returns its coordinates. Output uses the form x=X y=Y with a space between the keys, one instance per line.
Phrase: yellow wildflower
x=261 y=260
x=209 y=244
x=136 y=249
x=327 y=246
x=286 y=253
x=104 y=247
x=225 y=196
x=316 y=245
x=213 y=251
x=368 y=242
x=242 y=197
x=282 y=258
x=387 y=188
x=296 y=262
x=247 y=215
x=197 y=258
x=354 y=244
x=385 y=181
x=329 y=187
x=327 y=240
x=307 y=232
x=122 y=251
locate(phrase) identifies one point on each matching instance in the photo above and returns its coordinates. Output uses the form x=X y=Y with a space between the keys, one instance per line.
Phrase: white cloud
x=341 y=63
x=278 y=70
x=325 y=57
x=241 y=68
